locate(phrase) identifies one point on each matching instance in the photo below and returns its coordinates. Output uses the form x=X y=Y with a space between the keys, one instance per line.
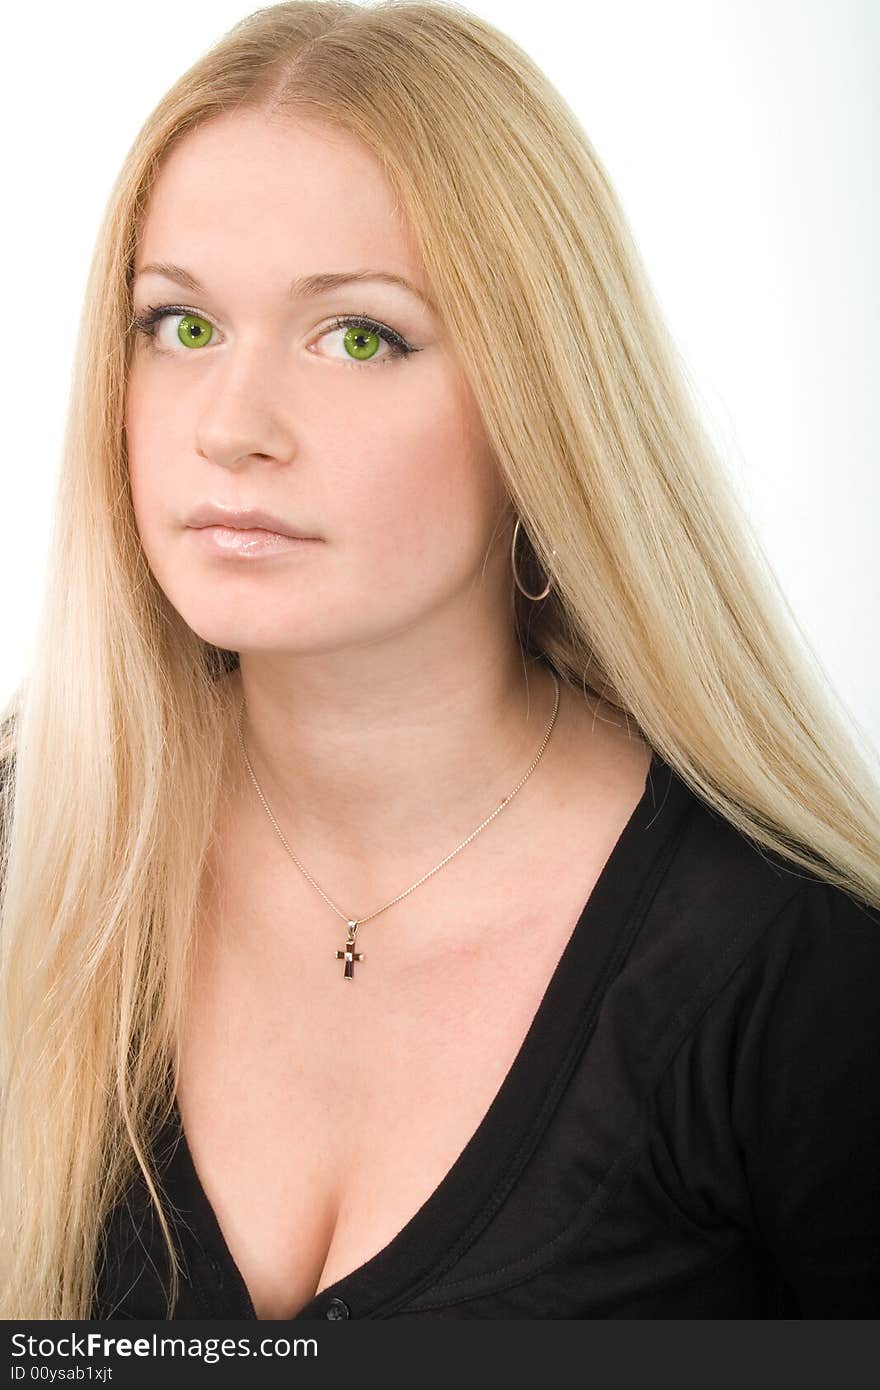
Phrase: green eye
x=361 y=343
x=194 y=331
x=362 y=336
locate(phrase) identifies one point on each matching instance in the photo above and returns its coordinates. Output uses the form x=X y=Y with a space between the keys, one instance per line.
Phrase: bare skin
x=389 y=710
x=322 y=1114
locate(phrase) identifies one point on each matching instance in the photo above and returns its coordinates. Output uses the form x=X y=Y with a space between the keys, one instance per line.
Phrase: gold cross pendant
x=349 y=954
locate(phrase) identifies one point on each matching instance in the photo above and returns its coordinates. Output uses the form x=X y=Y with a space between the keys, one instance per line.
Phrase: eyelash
x=400 y=347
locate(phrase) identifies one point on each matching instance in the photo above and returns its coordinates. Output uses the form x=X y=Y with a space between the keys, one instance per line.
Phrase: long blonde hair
x=662 y=604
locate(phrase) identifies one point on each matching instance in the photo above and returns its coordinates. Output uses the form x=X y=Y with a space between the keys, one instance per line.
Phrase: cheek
x=158 y=439
x=142 y=450
x=421 y=472
x=155 y=478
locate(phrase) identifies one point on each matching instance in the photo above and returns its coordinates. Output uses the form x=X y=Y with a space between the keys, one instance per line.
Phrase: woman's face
x=256 y=399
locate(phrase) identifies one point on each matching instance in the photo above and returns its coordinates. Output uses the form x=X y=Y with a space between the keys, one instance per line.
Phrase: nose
x=246 y=410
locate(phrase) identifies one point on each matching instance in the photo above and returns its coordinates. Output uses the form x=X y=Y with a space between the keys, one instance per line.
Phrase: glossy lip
x=244 y=519
x=234 y=543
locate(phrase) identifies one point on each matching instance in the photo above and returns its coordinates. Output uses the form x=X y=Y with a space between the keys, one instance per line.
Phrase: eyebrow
x=303 y=287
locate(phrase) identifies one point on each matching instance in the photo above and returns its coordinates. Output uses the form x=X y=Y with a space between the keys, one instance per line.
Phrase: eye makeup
x=147 y=324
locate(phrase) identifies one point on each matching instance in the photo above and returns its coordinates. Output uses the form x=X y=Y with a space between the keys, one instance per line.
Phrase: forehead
x=274 y=197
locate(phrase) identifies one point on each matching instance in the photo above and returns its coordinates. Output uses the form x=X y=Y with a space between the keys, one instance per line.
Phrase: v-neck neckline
x=474 y=1187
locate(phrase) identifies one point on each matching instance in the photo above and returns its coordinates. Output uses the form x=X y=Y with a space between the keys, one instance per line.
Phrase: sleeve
x=805 y=1101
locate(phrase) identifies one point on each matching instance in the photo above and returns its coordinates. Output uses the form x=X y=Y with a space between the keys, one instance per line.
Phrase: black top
x=691 y=1127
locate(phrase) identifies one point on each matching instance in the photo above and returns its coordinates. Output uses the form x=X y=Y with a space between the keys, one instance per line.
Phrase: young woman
x=435 y=882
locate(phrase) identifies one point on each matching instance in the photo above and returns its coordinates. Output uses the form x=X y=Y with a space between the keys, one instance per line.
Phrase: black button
x=337 y=1309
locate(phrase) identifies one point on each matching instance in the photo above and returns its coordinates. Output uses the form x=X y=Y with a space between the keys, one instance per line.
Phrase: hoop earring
x=534 y=597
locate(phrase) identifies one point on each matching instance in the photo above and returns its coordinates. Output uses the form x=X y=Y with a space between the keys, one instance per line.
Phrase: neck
x=389 y=762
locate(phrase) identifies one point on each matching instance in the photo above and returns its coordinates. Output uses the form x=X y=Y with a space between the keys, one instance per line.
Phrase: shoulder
x=772 y=973
x=767 y=1107
x=802 y=1001
x=809 y=1009
x=731 y=924
x=717 y=870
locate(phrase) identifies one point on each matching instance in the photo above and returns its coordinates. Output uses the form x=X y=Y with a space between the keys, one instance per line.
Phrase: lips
x=246 y=519
x=232 y=544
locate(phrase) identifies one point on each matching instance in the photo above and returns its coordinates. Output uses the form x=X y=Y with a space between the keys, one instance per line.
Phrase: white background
x=742 y=139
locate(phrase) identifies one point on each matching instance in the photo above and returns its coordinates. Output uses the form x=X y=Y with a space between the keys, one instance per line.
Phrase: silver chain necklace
x=348 y=953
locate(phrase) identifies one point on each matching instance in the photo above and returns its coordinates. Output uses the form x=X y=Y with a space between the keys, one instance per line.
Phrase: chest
x=322 y=1113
